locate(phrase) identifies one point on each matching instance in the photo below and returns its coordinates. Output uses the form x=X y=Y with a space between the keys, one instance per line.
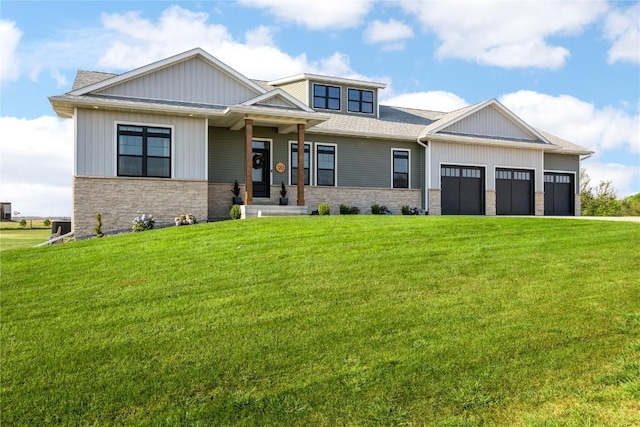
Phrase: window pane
x=367 y=96
x=129 y=144
x=319 y=102
x=325 y=177
x=159 y=130
x=158 y=147
x=319 y=90
x=158 y=167
x=130 y=166
x=354 y=106
x=400 y=180
x=334 y=92
x=130 y=128
x=333 y=104
x=354 y=95
x=367 y=108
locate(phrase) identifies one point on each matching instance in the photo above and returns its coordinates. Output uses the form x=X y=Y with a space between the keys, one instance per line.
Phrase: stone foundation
x=490 y=203
x=120 y=200
x=539 y=206
x=578 y=206
x=435 y=200
x=220 y=198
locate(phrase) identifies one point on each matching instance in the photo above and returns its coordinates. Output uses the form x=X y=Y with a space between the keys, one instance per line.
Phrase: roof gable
x=193 y=76
x=278 y=98
x=488 y=119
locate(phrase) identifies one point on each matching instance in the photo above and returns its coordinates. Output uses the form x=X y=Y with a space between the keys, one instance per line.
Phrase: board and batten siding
x=193 y=80
x=488 y=157
x=562 y=162
x=488 y=122
x=96 y=145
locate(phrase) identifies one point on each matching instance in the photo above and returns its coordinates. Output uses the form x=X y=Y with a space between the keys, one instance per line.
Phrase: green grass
x=13 y=238
x=353 y=320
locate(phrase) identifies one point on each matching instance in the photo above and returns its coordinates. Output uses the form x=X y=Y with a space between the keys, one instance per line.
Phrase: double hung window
x=326 y=165
x=294 y=163
x=400 y=169
x=144 y=151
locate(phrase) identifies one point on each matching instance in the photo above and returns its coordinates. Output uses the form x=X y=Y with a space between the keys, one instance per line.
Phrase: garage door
x=514 y=192
x=462 y=190
x=558 y=194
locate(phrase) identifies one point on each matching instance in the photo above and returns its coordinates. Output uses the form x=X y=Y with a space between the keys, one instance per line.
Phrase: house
x=5 y=211
x=172 y=137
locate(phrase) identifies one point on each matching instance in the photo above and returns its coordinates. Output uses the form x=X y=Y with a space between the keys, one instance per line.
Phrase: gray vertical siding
x=193 y=80
x=488 y=157
x=96 y=142
x=490 y=122
x=562 y=162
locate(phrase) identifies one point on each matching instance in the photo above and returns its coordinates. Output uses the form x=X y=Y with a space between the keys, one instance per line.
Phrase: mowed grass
x=352 y=320
x=12 y=236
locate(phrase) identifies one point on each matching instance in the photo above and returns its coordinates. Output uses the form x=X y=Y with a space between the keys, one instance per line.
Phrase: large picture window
x=144 y=151
x=361 y=101
x=400 y=168
x=326 y=97
x=326 y=165
x=294 y=163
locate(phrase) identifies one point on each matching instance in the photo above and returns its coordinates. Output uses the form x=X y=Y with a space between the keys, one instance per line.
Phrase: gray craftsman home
x=172 y=137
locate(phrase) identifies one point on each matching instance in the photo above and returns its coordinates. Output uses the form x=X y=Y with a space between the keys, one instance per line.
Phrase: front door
x=261 y=168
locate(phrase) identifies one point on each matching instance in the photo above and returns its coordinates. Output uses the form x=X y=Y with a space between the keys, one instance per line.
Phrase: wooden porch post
x=301 y=201
x=248 y=162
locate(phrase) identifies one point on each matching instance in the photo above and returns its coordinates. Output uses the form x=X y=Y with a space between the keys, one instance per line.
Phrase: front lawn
x=340 y=320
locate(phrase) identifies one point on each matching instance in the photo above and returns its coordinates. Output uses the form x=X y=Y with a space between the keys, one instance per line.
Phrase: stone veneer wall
x=220 y=198
x=490 y=203
x=120 y=200
x=435 y=200
x=539 y=206
x=578 y=205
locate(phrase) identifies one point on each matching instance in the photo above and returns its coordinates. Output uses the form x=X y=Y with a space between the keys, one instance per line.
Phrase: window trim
x=306 y=144
x=172 y=145
x=313 y=97
x=373 y=101
x=407 y=150
x=335 y=163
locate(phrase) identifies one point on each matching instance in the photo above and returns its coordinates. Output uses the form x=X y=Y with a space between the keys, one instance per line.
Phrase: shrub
x=235 y=213
x=185 y=219
x=344 y=209
x=324 y=209
x=47 y=222
x=97 y=230
x=375 y=209
x=143 y=223
x=406 y=210
x=354 y=210
x=23 y=223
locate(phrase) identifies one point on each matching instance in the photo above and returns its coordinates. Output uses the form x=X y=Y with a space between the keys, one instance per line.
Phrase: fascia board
x=326 y=79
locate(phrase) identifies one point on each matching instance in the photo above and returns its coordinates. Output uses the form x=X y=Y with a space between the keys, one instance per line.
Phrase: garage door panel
x=558 y=194
x=462 y=190
x=514 y=192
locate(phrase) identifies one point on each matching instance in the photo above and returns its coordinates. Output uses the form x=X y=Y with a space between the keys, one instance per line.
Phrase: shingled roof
x=86 y=78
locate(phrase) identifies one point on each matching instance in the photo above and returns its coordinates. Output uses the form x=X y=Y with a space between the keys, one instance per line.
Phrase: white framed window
x=293 y=163
x=326 y=171
x=400 y=168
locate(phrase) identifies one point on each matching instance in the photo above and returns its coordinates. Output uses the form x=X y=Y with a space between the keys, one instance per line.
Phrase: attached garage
x=559 y=194
x=462 y=190
x=514 y=192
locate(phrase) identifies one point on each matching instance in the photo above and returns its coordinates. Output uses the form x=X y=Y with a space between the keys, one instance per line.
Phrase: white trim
x=335 y=163
x=326 y=79
x=173 y=143
x=408 y=150
x=310 y=144
x=278 y=93
x=206 y=149
x=373 y=110
x=454 y=164
x=270 y=141
x=576 y=190
x=75 y=141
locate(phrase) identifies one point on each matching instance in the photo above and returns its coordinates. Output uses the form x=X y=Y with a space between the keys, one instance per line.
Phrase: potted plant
x=284 y=200
x=236 y=200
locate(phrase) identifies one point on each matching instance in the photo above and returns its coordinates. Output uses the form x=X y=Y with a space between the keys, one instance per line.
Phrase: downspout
x=427 y=161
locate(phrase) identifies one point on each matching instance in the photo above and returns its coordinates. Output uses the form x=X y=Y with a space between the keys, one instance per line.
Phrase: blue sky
x=571 y=68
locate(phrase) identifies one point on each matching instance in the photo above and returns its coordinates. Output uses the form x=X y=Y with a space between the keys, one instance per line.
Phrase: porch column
x=301 y=164
x=248 y=162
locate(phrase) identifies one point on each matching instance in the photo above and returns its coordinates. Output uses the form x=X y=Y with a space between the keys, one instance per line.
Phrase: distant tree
x=631 y=205
x=46 y=222
x=23 y=223
x=600 y=200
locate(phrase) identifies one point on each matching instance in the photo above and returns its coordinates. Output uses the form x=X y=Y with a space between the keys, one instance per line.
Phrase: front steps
x=255 y=211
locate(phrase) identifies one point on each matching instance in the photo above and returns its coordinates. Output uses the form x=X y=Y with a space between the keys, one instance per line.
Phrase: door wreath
x=258 y=161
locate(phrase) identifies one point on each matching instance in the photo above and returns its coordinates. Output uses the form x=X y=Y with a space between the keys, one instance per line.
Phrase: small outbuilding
x=5 y=211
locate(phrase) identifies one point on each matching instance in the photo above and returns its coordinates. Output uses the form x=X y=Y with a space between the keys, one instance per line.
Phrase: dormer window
x=361 y=101
x=326 y=97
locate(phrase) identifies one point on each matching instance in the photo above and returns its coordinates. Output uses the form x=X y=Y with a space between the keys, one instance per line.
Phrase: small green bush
x=406 y=210
x=375 y=209
x=98 y=228
x=344 y=209
x=324 y=209
x=46 y=222
x=23 y=223
x=354 y=210
x=143 y=223
x=235 y=213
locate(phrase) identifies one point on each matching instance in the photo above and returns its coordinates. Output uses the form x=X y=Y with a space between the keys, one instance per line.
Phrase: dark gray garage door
x=462 y=190
x=558 y=194
x=514 y=192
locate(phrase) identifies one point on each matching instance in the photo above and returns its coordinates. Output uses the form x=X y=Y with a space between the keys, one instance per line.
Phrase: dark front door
x=462 y=190
x=558 y=194
x=261 y=168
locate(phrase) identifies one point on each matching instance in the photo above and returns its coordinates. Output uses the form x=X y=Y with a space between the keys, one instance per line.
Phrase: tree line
x=602 y=200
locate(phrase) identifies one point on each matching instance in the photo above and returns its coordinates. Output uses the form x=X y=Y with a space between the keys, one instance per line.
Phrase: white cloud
x=623 y=29
x=9 y=38
x=391 y=34
x=599 y=129
x=511 y=34
x=624 y=178
x=435 y=101
x=316 y=15
x=36 y=158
